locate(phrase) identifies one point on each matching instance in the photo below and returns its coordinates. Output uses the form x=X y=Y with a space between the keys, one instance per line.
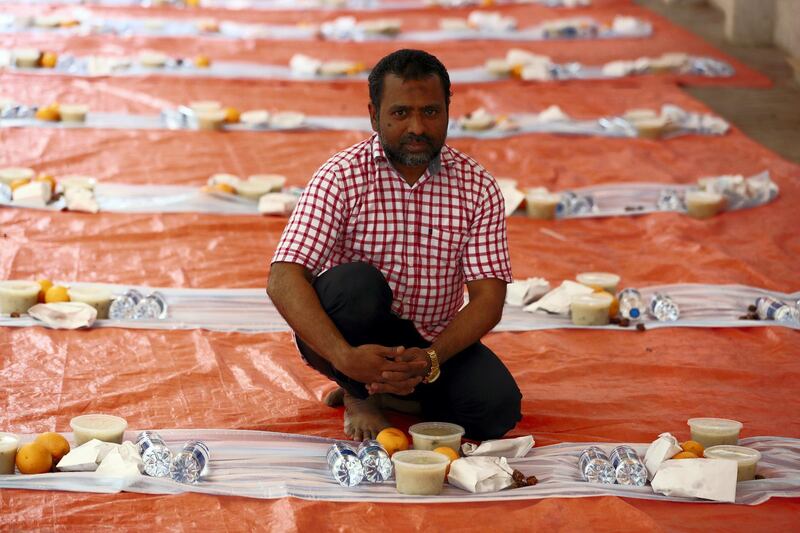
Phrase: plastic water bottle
x=5 y=193
x=595 y=466
x=630 y=469
x=156 y=456
x=670 y=200
x=190 y=463
x=345 y=465
x=122 y=307
x=631 y=304
x=574 y=204
x=771 y=309
x=375 y=460
x=663 y=308
x=151 y=308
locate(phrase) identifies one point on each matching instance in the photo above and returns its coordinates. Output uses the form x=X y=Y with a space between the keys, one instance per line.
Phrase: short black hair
x=409 y=65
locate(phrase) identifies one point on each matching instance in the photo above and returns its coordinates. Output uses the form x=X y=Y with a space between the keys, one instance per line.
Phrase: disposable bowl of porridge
x=591 y=309
x=714 y=431
x=431 y=435
x=599 y=280
x=8 y=452
x=107 y=428
x=420 y=472
x=746 y=459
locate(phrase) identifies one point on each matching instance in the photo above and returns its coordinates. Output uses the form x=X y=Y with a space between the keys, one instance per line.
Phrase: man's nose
x=415 y=124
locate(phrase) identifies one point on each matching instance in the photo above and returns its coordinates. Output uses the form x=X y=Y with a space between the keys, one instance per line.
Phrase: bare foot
x=335 y=398
x=363 y=419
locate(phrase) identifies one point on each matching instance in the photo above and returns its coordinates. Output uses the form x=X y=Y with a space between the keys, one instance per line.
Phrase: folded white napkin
x=33 y=194
x=618 y=69
x=516 y=447
x=84 y=458
x=625 y=25
x=81 y=200
x=481 y=474
x=64 y=315
x=303 y=64
x=552 y=114
x=558 y=300
x=121 y=460
x=710 y=479
x=660 y=450
x=512 y=197
x=277 y=203
x=519 y=293
x=491 y=21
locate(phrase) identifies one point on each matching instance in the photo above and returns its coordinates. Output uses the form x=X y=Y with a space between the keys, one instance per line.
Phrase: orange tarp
x=577 y=385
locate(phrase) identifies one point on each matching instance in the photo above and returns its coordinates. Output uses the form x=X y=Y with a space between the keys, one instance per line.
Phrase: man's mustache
x=411 y=138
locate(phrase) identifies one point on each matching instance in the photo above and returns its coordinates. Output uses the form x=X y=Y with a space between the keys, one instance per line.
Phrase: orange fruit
x=223 y=187
x=393 y=440
x=516 y=71
x=49 y=113
x=44 y=285
x=355 y=69
x=614 y=309
x=33 y=458
x=55 y=443
x=49 y=179
x=686 y=455
x=232 y=115
x=48 y=60
x=202 y=61
x=16 y=184
x=56 y=293
x=450 y=453
x=694 y=447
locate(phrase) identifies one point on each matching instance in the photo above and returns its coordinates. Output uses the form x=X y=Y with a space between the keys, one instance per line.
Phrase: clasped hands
x=383 y=369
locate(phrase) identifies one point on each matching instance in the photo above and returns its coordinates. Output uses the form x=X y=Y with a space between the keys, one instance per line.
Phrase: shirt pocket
x=441 y=251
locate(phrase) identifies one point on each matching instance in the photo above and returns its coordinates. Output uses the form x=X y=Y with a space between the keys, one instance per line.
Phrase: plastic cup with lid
x=714 y=431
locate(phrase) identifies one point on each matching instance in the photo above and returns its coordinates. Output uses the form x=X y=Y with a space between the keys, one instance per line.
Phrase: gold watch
x=434 y=373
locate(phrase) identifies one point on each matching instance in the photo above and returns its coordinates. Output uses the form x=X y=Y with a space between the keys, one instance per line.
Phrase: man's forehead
x=397 y=90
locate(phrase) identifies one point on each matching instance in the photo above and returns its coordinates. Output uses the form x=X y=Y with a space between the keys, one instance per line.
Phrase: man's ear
x=373 y=116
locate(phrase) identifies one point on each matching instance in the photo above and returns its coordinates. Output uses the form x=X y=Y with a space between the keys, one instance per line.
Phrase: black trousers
x=475 y=389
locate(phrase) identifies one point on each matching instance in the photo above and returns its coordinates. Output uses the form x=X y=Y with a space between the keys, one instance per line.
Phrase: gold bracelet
x=435 y=371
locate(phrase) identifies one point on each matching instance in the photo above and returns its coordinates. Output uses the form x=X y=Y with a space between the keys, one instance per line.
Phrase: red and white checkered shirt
x=427 y=239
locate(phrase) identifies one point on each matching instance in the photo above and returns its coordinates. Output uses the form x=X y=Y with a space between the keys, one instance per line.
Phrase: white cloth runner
x=234 y=30
x=291 y=5
x=624 y=199
x=250 y=311
x=78 y=66
x=259 y=464
x=169 y=119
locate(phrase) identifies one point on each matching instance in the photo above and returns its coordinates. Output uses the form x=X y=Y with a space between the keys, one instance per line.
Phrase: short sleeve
x=316 y=223
x=486 y=255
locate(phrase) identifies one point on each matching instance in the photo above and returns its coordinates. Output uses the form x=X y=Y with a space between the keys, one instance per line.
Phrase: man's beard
x=397 y=154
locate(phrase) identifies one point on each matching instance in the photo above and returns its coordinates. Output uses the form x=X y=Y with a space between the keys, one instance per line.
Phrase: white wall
x=787 y=26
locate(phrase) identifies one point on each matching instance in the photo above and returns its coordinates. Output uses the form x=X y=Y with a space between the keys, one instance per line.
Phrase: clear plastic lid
x=715 y=425
x=8 y=441
x=597 y=278
x=98 y=421
x=421 y=459
x=436 y=429
x=740 y=454
x=595 y=299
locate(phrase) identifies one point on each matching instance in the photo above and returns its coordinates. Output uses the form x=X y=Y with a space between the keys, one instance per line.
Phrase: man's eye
x=431 y=112
x=399 y=113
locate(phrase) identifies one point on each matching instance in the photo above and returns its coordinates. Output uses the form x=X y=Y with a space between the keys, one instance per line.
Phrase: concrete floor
x=772 y=116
